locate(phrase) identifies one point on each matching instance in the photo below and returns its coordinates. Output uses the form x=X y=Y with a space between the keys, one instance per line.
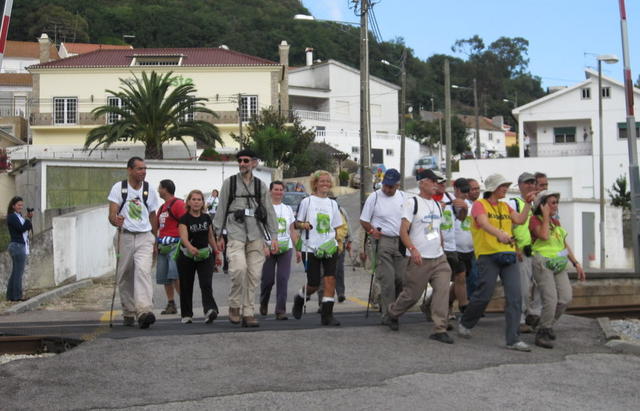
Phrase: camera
x=29 y=210
x=239 y=216
x=261 y=214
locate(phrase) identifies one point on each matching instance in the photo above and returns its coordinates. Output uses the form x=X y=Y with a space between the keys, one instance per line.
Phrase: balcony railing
x=559 y=149
x=312 y=115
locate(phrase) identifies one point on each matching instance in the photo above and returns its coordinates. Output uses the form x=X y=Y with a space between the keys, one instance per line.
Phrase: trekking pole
x=374 y=264
x=306 y=271
x=115 y=282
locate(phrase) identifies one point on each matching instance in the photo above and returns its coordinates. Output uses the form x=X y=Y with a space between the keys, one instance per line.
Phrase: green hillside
x=257 y=26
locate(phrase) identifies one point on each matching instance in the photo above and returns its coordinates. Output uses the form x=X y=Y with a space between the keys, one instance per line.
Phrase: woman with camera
x=277 y=266
x=494 y=246
x=19 y=228
x=319 y=216
x=197 y=246
x=551 y=255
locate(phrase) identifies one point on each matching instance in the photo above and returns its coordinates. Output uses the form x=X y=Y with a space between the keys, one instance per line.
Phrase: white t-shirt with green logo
x=324 y=216
x=464 y=242
x=136 y=215
x=447 y=227
x=284 y=218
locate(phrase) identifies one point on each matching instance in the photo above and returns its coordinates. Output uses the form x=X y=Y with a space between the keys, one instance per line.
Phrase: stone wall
x=39 y=270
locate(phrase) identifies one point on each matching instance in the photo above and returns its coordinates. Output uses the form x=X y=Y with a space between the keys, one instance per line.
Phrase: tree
x=275 y=138
x=619 y=195
x=60 y=25
x=428 y=133
x=153 y=113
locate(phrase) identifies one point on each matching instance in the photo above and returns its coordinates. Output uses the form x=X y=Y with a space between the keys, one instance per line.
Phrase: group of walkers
x=454 y=241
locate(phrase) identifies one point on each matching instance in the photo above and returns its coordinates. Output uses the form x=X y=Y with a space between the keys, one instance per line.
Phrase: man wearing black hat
x=381 y=218
x=420 y=233
x=246 y=212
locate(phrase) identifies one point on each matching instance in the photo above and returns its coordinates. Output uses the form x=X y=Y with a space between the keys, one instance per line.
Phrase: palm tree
x=152 y=112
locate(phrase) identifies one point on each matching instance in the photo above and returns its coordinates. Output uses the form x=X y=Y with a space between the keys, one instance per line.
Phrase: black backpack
x=233 y=184
x=125 y=191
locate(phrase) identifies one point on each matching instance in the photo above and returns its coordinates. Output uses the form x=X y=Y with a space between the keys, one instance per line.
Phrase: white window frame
x=113 y=101
x=606 y=92
x=248 y=108
x=585 y=93
x=67 y=113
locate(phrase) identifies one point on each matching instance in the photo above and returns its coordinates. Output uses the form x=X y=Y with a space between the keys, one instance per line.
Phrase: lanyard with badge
x=429 y=231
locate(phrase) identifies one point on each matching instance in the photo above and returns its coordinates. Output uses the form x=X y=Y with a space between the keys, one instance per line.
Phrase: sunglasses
x=244 y=160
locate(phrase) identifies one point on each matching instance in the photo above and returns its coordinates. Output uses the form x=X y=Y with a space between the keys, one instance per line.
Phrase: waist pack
x=504 y=259
x=556 y=264
x=283 y=246
x=166 y=249
x=202 y=255
x=327 y=249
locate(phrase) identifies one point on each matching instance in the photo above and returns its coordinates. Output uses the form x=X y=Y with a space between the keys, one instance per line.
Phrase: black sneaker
x=129 y=321
x=542 y=338
x=441 y=337
x=146 y=319
x=210 y=316
x=551 y=334
x=532 y=320
x=341 y=298
x=394 y=325
x=170 y=309
x=296 y=310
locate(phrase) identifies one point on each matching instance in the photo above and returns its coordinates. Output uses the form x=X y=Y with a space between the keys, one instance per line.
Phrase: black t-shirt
x=198 y=229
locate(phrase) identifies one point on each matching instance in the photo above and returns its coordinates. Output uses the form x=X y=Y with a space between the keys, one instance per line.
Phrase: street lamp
x=365 y=117
x=475 y=112
x=609 y=59
x=403 y=96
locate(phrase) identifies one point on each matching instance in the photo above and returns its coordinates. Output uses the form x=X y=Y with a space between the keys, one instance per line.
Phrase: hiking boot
x=170 y=309
x=327 y=317
x=210 y=316
x=542 y=338
x=463 y=331
x=519 y=346
x=264 y=308
x=532 y=320
x=441 y=337
x=129 y=321
x=296 y=310
x=394 y=324
x=341 y=298
x=146 y=319
x=234 y=315
x=186 y=320
x=525 y=329
x=250 y=321
x=281 y=316
x=551 y=334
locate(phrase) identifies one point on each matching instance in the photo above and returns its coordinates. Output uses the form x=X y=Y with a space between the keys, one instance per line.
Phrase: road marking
x=358 y=301
x=104 y=318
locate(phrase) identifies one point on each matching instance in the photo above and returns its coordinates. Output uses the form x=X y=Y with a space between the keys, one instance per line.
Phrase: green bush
x=513 y=150
x=4 y=234
x=344 y=178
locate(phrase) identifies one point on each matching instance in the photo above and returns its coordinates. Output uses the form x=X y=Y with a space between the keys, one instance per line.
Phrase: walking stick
x=374 y=266
x=115 y=282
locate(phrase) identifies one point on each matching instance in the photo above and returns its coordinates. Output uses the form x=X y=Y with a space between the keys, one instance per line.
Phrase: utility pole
x=403 y=104
x=634 y=177
x=476 y=110
x=365 y=132
x=447 y=110
x=240 y=117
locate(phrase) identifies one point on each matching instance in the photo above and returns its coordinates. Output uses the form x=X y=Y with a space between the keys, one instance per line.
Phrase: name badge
x=433 y=235
x=249 y=212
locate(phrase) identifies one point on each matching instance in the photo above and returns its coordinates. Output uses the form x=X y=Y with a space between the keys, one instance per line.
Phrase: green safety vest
x=521 y=232
x=554 y=246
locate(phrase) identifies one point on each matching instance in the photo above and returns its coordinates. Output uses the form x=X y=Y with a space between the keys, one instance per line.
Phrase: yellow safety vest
x=499 y=217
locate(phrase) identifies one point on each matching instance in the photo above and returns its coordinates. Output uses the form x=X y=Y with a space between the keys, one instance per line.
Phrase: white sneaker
x=210 y=316
x=186 y=320
x=463 y=331
x=520 y=346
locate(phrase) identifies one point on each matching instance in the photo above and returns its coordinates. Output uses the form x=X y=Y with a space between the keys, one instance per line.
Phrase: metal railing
x=560 y=149
x=312 y=115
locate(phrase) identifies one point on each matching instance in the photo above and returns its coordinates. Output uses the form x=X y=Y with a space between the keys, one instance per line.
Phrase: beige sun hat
x=494 y=181
x=542 y=195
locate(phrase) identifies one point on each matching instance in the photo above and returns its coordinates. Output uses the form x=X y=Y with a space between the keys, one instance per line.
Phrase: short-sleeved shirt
x=536 y=222
x=324 y=216
x=425 y=226
x=136 y=215
x=197 y=228
x=381 y=210
x=464 y=241
x=168 y=221
x=284 y=218
x=448 y=227
x=499 y=215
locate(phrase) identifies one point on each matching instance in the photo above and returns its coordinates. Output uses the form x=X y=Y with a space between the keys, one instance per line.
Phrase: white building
x=326 y=97
x=559 y=133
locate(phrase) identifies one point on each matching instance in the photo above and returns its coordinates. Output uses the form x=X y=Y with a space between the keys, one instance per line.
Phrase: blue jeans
x=18 y=254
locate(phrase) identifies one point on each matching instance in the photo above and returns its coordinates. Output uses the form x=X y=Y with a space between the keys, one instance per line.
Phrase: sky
x=565 y=36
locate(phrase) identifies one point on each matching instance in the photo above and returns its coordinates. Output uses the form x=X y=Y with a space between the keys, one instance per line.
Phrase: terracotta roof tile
x=192 y=57
x=485 y=123
x=16 y=79
x=82 y=48
x=28 y=49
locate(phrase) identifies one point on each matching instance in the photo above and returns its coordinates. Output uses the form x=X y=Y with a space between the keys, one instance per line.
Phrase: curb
x=607 y=329
x=38 y=300
x=624 y=347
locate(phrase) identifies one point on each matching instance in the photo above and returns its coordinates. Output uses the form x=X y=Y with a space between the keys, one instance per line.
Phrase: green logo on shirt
x=466 y=224
x=135 y=210
x=282 y=225
x=323 y=223
x=447 y=220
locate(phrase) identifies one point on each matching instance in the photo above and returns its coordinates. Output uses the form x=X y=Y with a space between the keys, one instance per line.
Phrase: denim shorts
x=166 y=270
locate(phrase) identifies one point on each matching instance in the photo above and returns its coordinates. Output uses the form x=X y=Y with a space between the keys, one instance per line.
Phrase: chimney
x=284 y=79
x=45 y=48
x=309 y=52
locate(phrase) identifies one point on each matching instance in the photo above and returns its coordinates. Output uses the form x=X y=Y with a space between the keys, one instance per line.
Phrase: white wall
x=17 y=65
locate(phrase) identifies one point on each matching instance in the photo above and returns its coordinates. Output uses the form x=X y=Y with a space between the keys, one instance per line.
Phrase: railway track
x=36 y=344
x=611 y=311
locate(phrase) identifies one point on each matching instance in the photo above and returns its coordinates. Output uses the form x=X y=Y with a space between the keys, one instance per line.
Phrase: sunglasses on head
x=244 y=160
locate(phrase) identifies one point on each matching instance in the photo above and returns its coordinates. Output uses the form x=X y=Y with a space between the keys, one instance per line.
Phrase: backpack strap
x=415 y=205
x=517 y=204
x=125 y=192
x=145 y=193
x=169 y=209
x=232 y=195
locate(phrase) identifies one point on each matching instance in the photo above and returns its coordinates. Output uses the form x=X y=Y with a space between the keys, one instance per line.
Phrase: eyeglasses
x=244 y=160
